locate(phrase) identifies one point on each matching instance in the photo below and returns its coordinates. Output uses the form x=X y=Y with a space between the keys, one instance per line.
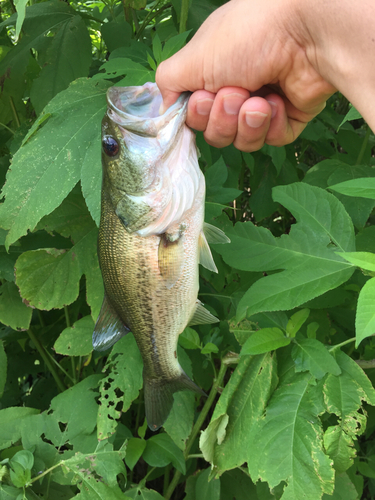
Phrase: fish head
x=136 y=139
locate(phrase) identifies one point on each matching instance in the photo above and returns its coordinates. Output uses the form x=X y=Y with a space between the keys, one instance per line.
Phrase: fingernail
x=232 y=103
x=203 y=106
x=255 y=119
x=273 y=107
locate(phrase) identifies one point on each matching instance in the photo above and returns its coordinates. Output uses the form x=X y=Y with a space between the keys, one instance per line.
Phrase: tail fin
x=159 y=397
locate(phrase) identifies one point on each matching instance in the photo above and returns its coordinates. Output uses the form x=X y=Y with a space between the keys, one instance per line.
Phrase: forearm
x=340 y=41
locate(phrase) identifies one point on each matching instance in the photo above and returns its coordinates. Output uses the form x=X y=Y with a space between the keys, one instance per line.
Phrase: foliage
x=288 y=397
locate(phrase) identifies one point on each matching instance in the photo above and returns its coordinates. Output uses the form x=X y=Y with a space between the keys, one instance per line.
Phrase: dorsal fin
x=108 y=328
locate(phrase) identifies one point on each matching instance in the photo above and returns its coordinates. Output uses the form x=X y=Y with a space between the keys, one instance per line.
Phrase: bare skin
x=260 y=70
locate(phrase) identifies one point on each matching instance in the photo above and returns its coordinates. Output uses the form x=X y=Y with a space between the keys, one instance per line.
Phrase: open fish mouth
x=137 y=108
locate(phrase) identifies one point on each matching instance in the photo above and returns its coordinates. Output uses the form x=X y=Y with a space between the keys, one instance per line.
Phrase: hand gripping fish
x=152 y=237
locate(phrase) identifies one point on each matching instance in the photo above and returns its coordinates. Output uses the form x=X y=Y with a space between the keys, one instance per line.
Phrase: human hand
x=250 y=75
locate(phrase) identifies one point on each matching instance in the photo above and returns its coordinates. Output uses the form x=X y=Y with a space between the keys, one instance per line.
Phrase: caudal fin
x=159 y=397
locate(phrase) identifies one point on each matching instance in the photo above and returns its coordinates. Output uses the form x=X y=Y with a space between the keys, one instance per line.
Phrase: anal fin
x=108 y=328
x=201 y=316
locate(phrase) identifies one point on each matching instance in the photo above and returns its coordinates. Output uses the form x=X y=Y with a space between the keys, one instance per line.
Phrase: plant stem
x=59 y=366
x=349 y=341
x=197 y=427
x=366 y=363
x=166 y=478
x=45 y=358
x=7 y=128
x=364 y=145
x=45 y=472
x=184 y=15
x=150 y=16
x=14 y=111
x=41 y=320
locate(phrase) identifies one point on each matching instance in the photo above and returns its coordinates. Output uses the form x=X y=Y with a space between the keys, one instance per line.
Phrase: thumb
x=174 y=76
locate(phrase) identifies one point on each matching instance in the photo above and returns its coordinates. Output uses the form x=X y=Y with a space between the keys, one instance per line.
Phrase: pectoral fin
x=108 y=329
x=214 y=235
x=201 y=316
x=170 y=259
x=205 y=255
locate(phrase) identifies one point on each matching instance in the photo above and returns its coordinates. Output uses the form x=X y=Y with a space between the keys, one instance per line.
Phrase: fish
x=152 y=236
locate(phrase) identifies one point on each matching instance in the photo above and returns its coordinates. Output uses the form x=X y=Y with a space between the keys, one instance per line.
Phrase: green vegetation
x=290 y=412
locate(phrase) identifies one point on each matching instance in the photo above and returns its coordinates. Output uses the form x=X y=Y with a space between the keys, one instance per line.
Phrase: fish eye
x=110 y=145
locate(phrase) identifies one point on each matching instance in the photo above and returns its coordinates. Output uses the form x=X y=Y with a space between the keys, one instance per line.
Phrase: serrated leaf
x=265 y=340
x=13 y=311
x=344 y=395
x=134 y=449
x=364 y=260
x=161 y=450
x=360 y=188
x=291 y=439
x=307 y=256
x=3 y=368
x=76 y=340
x=365 y=315
x=49 y=162
x=10 y=429
x=91 y=488
x=62 y=63
x=205 y=489
x=124 y=366
x=225 y=442
x=136 y=73
x=311 y=355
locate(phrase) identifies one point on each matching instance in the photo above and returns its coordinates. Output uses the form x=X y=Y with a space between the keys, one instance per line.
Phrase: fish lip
x=123 y=100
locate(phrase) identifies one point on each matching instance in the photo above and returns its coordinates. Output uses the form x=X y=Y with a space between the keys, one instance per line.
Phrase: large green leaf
x=205 y=489
x=227 y=440
x=361 y=188
x=10 y=429
x=290 y=438
x=265 y=340
x=49 y=162
x=13 y=311
x=365 y=316
x=125 y=374
x=76 y=340
x=307 y=255
x=311 y=355
x=3 y=368
x=344 y=396
x=161 y=450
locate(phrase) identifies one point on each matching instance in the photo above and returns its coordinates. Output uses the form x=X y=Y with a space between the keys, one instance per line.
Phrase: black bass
x=152 y=237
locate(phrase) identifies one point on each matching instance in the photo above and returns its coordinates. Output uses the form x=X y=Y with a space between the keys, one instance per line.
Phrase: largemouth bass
x=151 y=237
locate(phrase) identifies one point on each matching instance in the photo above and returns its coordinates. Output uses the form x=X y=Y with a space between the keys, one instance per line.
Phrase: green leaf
x=63 y=62
x=21 y=11
x=3 y=368
x=352 y=114
x=344 y=489
x=265 y=340
x=278 y=155
x=291 y=439
x=306 y=255
x=311 y=355
x=361 y=188
x=124 y=367
x=14 y=312
x=365 y=315
x=225 y=443
x=157 y=49
x=237 y=484
x=205 y=489
x=189 y=339
x=116 y=34
x=24 y=458
x=161 y=451
x=364 y=260
x=39 y=168
x=140 y=493
x=76 y=340
x=10 y=429
x=174 y=44
x=209 y=347
x=344 y=395
x=134 y=449
x=296 y=321
x=216 y=176
x=136 y=74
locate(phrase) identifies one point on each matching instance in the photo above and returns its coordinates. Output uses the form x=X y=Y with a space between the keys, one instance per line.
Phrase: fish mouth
x=137 y=108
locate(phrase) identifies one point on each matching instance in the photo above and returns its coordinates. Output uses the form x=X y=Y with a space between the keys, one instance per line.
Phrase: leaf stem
x=45 y=358
x=14 y=111
x=198 y=424
x=7 y=128
x=366 y=364
x=60 y=367
x=364 y=145
x=184 y=15
x=150 y=16
x=349 y=341
x=44 y=473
